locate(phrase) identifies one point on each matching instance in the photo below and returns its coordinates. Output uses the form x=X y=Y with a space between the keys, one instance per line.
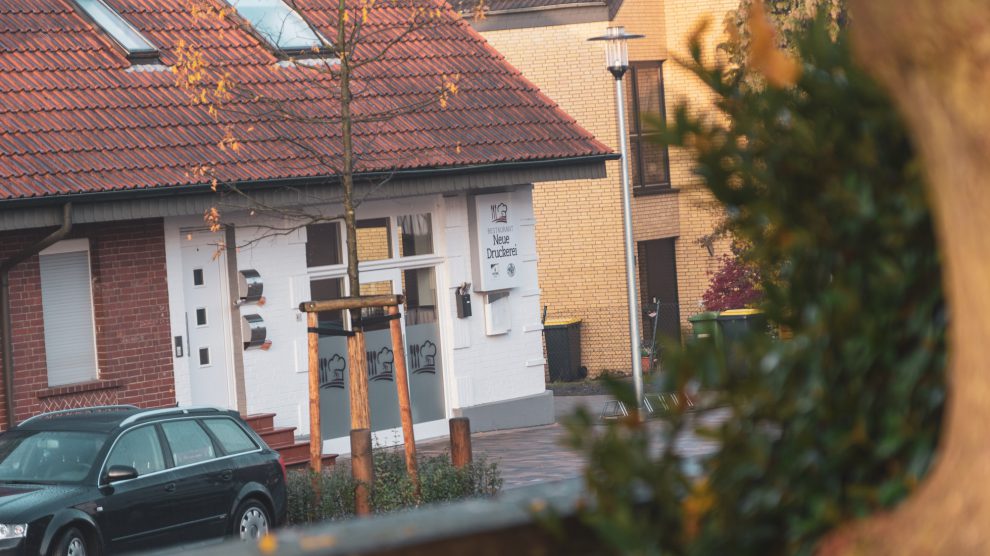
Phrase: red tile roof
x=77 y=117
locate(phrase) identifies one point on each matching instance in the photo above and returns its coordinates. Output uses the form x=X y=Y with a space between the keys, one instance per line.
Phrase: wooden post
x=405 y=408
x=460 y=441
x=315 y=437
x=360 y=407
x=362 y=469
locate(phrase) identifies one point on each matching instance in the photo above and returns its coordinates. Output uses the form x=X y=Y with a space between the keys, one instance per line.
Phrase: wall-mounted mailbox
x=253 y=331
x=462 y=298
x=249 y=286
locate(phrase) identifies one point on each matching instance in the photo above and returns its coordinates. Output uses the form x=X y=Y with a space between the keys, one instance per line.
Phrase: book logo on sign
x=500 y=213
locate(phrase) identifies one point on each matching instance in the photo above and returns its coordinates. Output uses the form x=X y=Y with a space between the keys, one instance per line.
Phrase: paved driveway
x=537 y=454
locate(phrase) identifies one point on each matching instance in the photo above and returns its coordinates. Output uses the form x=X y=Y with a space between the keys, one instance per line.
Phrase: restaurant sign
x=495 y=242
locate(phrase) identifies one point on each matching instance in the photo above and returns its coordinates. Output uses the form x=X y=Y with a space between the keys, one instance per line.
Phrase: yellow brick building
x=579 y=224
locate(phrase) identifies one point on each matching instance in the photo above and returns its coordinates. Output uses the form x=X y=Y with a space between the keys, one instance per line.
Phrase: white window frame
x=74 y=246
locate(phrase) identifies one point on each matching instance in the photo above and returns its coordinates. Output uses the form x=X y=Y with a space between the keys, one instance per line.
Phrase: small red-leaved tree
x=736 y=284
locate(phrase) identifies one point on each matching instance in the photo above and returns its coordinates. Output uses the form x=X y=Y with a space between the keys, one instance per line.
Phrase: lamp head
x=616 y=49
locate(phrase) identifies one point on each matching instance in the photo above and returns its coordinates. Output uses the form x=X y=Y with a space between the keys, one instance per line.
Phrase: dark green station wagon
x=107 y=480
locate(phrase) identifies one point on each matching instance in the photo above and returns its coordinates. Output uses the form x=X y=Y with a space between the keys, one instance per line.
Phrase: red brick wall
x=130 y=302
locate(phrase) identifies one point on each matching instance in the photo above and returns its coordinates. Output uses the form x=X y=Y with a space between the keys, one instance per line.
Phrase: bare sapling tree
x=364 y=34
x=328 y=99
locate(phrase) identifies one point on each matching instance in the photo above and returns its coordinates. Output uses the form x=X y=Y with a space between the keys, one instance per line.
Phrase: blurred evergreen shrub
x=820 y=182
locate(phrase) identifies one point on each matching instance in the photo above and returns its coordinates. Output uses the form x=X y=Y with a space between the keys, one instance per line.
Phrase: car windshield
x=48 y=456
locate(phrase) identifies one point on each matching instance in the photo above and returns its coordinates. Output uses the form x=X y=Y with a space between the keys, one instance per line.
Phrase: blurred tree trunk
x=934 y=58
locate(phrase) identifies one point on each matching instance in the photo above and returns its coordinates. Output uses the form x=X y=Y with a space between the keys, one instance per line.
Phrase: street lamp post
x=617 y=62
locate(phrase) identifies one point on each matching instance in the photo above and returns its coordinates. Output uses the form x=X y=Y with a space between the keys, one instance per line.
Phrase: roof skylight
x=119 y=29
x=279 y=24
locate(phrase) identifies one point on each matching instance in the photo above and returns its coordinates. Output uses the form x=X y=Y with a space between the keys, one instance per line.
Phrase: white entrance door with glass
x=409 y=269
x=207 y=321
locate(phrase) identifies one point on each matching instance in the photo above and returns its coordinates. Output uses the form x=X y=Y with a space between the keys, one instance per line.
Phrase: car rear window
x=189 y=442
x=232 y=437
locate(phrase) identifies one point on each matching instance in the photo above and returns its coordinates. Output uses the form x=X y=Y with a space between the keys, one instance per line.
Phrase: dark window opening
x=649 y=166
x=323 y=244
x=198 y=277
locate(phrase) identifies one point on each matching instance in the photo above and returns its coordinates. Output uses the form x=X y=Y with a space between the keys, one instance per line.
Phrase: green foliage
x=821 y=183
x=440 y=481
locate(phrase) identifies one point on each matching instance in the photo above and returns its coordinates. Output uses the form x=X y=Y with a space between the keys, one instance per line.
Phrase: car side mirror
x=118 y=473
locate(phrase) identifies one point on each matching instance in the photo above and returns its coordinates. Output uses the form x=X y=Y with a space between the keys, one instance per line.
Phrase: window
x=140 y=449
x=43 y=456
x=67 y=309
x=322 y=290
x=189 y=442
x=135 y=45
x=415 y=235
x=280 y=25
x=374 y=239
x=231 y=436
x=323 y=244
x=647 y=159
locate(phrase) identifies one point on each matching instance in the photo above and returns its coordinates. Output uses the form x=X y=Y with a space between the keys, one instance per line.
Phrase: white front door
x=207 y=319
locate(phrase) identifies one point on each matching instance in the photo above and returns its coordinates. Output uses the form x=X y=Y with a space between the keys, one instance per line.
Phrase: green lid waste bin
x=735 y=325
x=704 y=327
x=563 y=341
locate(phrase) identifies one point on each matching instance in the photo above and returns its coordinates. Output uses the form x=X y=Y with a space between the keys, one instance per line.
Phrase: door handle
x=170 y=487
x=226 y=475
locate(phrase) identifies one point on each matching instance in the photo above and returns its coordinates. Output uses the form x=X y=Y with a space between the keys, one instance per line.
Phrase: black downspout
x=6 y=336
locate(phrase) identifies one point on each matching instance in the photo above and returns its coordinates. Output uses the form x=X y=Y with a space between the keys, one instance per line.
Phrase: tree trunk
x=933 y=56
x=344 y=49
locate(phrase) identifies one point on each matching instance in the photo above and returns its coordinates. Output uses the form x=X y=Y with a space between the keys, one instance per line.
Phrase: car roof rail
x=167 y=411
x=92 y=409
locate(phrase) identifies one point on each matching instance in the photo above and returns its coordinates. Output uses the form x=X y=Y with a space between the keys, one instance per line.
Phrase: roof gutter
x=175 y=190
x=6 y=322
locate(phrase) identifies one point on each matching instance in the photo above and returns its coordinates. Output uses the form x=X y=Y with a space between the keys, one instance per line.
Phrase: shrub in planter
x=440 y=481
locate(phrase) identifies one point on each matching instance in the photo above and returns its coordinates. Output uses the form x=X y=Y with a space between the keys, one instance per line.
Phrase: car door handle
x=226 y=475
x=170 y=487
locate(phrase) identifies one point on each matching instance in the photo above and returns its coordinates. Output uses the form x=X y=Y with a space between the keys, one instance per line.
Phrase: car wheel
x=71 y=543
x=251 y=521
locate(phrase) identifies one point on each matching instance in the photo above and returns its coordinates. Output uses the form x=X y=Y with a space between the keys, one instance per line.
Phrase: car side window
x=138 y=448
x=233 y=439
x=189 y=442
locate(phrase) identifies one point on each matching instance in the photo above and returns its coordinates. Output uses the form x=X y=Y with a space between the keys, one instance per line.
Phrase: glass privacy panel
x=415 y=235
x=423 y=345
x=323 y=244
x=422 y=334
x=374 y=239
x=335 y=417
x=381 y=362
x=335 y=420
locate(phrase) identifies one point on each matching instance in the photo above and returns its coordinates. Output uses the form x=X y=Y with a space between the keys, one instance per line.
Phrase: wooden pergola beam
x=354 y=302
